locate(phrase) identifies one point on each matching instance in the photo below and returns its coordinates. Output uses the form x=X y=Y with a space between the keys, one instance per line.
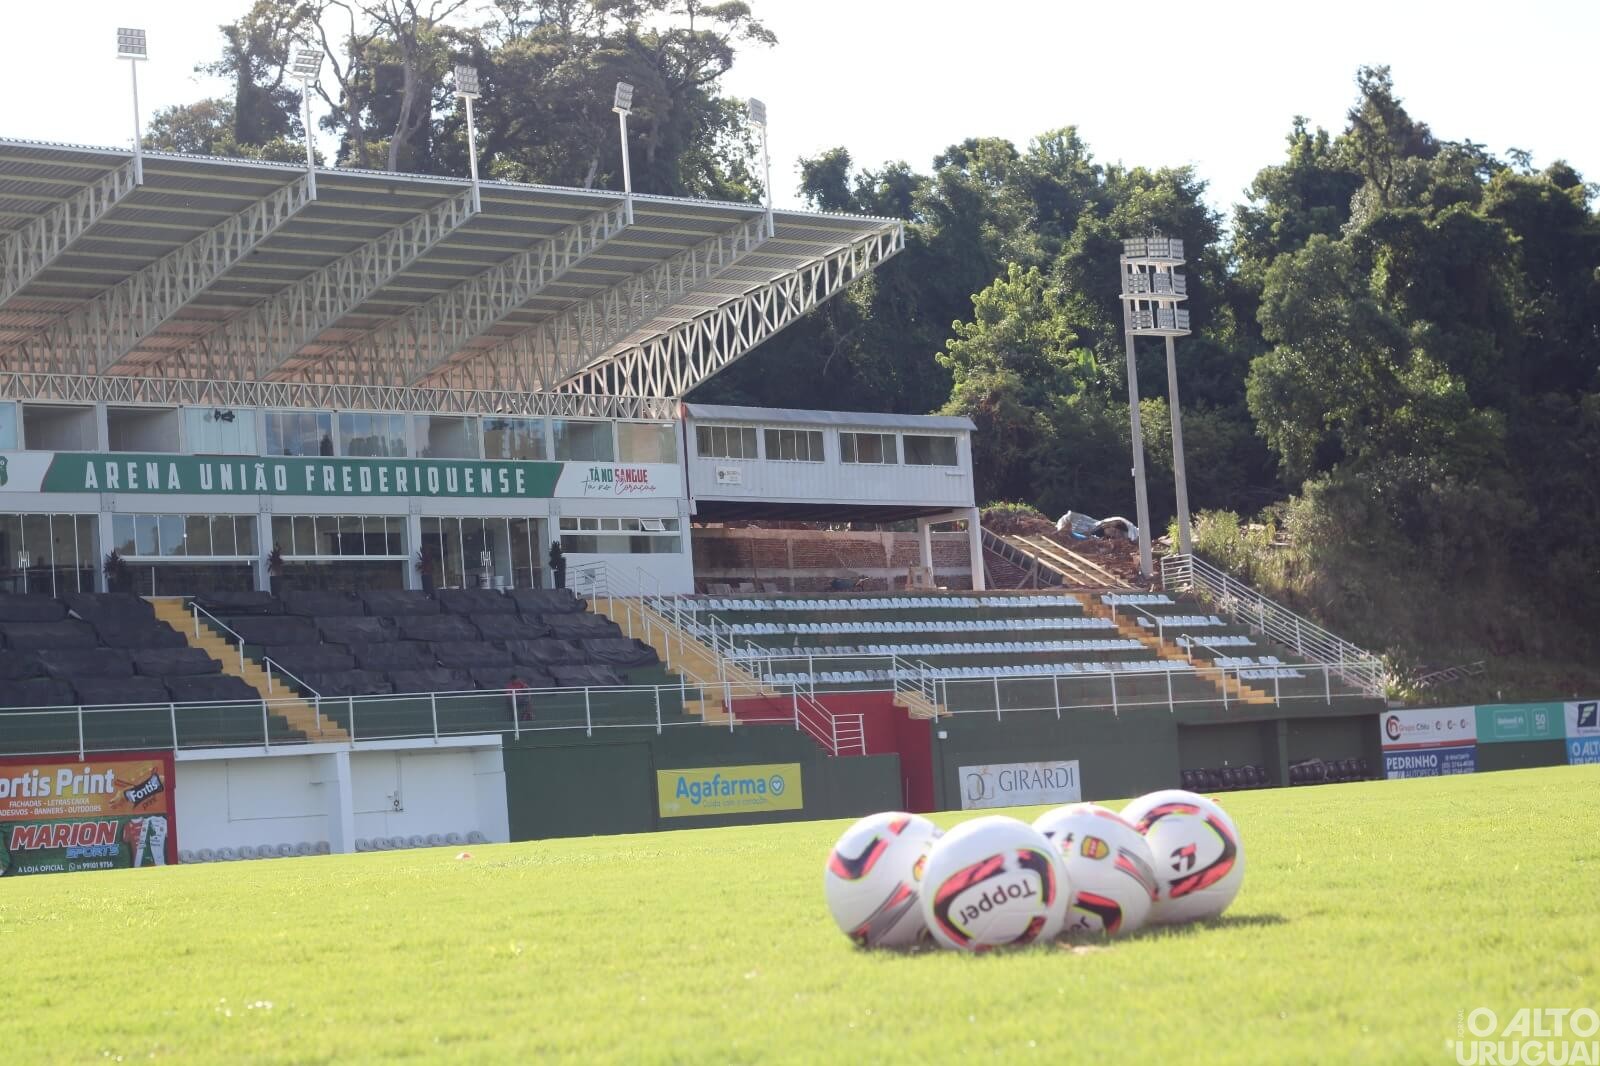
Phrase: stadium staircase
x=206 y=635
x=1042 y=562
x=1232 y=686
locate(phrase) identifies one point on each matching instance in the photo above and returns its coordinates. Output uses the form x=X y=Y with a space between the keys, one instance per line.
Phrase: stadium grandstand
x=286 y=456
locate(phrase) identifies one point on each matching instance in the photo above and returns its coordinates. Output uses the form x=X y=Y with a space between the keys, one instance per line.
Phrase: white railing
x=213 y=621
x=1244 y=605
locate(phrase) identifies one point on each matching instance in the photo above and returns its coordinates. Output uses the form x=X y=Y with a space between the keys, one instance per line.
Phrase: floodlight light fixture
x=623 y=100
x=466 y=80
x=757 y=111
x=131 y=44
x=622 y=105
x=307 y=62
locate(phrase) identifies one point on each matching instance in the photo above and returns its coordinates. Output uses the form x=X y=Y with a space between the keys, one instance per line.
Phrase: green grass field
x=1371 y=915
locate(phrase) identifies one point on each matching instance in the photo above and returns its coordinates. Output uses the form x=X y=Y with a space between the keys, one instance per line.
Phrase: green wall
x=562 y=783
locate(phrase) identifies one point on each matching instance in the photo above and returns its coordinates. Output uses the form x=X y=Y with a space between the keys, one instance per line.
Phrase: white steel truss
x=403 y=348
x=94 y=337
x=253 y=345
x=557 y=347
x=676 y=361
x=25 y=253
x=127 y=389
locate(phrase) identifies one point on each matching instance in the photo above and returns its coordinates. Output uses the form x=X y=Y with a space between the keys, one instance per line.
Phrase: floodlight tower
x=131 y=45
x=622 y=104
x=758 y=115
x=467 y=90
x=1152 y=289
x=307 y=64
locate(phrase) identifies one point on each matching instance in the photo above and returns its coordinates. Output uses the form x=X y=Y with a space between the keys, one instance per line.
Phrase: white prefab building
x=753 y=463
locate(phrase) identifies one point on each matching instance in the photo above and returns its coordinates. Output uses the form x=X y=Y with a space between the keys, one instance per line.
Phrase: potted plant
x=274 y=567
x=425 y=570
x=116 y=571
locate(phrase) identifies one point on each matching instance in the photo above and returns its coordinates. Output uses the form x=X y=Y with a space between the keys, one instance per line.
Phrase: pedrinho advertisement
x=1429 y=742
x=1014 y=784
x=1583 y=731
x=61 y=815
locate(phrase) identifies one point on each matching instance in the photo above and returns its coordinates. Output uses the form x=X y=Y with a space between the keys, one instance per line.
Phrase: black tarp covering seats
x=586 y=676
x=546 y=601
x=581 y=626
x=16 y=608
x=438 y=679
x=475 y=601
x=508 y=627
x=110 y=607
x=131 y=633
x=392 y=603
x=173 y=662
x=498 y=677
x=239 y=603
x=37 y=692
x=35 y=636
x=397 y=655
x=274 y=630
x=437 y=627
x=337 y=683
x=620 y=651
x=20 y=665
x=466 y=654
x=356 y=630
x=320 y=603
x=546 y=652
x=69 y=664
x=305 y=659
x=210 y=688
x=125 y=691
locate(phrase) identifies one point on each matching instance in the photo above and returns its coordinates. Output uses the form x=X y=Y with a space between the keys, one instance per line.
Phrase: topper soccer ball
x=993 y=881
x=1199 y=858
x=1109 y=868
x=872 y=876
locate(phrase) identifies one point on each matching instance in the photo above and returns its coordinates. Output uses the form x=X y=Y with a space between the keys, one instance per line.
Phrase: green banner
x=1500 y=723
x=323 y=476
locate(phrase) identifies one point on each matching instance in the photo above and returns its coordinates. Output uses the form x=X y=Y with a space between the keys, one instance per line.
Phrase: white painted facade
x=337 y=795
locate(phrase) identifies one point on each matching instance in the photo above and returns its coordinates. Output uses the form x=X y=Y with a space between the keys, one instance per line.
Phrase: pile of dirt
x=1013 y=523
x=1116 y=554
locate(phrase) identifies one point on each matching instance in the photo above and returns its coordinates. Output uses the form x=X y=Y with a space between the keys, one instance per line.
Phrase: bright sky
x=901 y=79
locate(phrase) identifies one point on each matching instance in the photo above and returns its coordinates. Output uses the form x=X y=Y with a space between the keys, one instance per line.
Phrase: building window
x=647 y=442
x=219 y=431
x=929 y=451
x=867 y=448
x=299 y=433
x=514 y=438
x=142 y=429
x=725 y=442
x=187 y=536
x=8 y=427
x=582 y=442
x=448 y=437
x=337 y=536
x=365 y=434
x=52 y=428
x=619 y=536
x=48 y=554
x=794 y=445
x=456 y=548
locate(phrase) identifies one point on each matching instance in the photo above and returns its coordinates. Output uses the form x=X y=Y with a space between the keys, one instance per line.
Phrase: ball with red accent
x=993 y=882
x=1108 y=865
x=1198 y=854
x=872 y=877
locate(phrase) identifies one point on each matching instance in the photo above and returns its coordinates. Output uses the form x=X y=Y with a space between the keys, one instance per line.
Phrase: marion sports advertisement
x=60 y=815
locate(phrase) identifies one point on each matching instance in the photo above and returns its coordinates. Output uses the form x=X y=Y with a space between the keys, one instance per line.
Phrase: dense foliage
x=1395 y=369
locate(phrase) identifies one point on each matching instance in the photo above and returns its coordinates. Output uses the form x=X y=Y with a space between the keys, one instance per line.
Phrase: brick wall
x=809 y=560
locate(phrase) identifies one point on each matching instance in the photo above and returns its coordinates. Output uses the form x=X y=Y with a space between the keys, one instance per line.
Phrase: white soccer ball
x=1199 y=856
x=1109 y=868
x=993 y=881
x=871 y=879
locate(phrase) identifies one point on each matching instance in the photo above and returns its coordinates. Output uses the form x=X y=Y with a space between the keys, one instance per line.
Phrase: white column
x=975 y=549
x=339 y=802
x=925 y=539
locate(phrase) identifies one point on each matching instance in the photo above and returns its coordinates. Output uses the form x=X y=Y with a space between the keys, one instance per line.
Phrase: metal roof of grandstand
x=786 y=416
x=240 y=270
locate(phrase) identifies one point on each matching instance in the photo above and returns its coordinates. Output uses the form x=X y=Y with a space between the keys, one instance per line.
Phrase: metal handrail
x=196 y=610
x=1246 y=606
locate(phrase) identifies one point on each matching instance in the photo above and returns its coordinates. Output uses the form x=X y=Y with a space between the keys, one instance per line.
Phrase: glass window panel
x=222 y=538
x=513 y=438
x=305 y=536
x=219 y=431
x=364 y=434
x=350 y=539
x=170 y=535
x=197 y=531
x=121 y=534
x=447 y=437
x=868 y=448
x=283 y=533
x=794 y=445
x=244 y=527
x=327 y=534
x=579 y=441
x=647 y=442
x=610 y=523
x=929 y=450
x=394 y=535
x=144 y=529
x=299 y=433
x=8 y=427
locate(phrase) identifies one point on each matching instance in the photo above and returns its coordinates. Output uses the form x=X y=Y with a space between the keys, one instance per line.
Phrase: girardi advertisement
x=219 y=475
x=61 y=815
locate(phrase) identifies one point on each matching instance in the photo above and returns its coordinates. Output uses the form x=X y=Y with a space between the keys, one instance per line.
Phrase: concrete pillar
x=925 y=540
x=339 y=802
x=975 y=549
